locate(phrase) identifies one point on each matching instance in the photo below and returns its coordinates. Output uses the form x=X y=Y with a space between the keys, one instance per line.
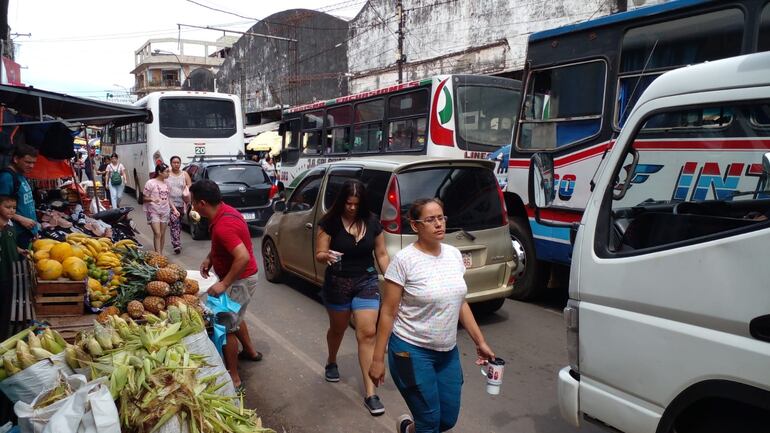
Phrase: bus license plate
x=248 y=216
x=467 y=260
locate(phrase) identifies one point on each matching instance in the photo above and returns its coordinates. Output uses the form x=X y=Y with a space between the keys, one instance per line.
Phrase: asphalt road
x=288 y=325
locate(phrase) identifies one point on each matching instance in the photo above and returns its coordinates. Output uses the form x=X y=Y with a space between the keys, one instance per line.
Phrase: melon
x=75 y=268
x=61 y=251
x=43 y=244
x=48 y=269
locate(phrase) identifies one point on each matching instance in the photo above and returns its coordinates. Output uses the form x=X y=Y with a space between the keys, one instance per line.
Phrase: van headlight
x=572 y=323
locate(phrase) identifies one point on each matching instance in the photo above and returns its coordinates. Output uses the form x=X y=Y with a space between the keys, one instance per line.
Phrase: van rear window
x=469 y=194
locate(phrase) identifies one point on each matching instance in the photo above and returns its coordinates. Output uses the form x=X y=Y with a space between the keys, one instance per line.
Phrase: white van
x=668 y=320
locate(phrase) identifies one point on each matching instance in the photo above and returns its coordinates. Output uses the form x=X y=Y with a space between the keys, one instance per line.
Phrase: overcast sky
x=86 y=47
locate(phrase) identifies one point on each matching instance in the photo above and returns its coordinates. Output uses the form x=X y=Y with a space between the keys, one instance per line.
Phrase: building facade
x=191 y=64
x=302 y=60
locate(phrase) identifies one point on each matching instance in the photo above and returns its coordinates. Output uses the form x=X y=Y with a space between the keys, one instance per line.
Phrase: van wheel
x=532 y=279
x=271 y=262
x=485 y=308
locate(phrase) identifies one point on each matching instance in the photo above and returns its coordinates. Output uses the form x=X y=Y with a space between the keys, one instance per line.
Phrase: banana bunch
x=125 y=245
x=107 y=260
x=24 y=354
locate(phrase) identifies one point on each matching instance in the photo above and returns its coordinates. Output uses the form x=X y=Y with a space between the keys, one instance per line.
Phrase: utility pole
x=401 y=57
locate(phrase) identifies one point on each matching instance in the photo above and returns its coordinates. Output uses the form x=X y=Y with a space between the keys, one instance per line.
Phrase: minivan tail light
x=391 y=205
x=572 y=323
x=502 y=204
x=273 y=191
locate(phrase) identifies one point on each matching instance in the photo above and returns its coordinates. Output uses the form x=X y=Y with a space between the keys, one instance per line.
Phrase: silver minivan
x=477 y=224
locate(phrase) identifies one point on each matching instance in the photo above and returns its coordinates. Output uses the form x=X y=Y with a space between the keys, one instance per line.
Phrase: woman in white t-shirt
x=423 y=300
x=115 y=173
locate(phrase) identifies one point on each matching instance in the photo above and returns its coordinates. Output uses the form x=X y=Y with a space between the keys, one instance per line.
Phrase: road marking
x=385 y=420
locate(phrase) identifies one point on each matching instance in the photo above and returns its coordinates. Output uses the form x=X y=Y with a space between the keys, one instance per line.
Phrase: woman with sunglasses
x=157 y=206
x=423 y=300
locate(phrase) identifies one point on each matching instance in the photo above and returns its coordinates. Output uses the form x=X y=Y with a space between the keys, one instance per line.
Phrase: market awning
x=50 y=169
x=40 y=103
x=268 y=141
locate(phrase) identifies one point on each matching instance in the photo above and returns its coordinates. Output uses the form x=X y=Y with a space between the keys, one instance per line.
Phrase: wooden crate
x=58 y=297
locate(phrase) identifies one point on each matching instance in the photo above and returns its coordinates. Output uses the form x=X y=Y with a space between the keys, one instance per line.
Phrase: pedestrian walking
x=179 y=184
x=347 y=237
x=116 y=178
x=423 y=300
x=13 y=182
x=232 y=258
x=157 y=206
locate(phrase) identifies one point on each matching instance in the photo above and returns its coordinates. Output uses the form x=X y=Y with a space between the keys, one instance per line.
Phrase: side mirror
x=281 y=129
x=622 y=186
x=541 y=186
x=766 y=163
x=279 y=206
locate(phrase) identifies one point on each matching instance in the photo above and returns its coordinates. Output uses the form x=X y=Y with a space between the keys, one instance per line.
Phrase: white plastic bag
x=199 y=343
x=27 y=384
x=90 y=409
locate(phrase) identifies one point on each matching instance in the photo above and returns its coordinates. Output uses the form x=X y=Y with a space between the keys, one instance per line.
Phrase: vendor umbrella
x=268 y=141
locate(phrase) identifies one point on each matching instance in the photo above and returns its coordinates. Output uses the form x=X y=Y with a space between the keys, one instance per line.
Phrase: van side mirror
x=541 y=186
x=766 y=163
x=281 y=129
x=279 y=206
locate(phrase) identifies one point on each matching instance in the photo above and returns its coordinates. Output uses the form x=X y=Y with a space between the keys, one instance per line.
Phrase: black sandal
x=244 y=356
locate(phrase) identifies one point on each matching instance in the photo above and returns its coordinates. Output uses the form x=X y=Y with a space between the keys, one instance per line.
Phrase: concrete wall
x=460 y=36
x=269 y=73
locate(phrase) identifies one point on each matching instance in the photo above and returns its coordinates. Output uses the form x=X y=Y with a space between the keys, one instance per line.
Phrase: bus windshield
x=196 y=118
x=486 y=114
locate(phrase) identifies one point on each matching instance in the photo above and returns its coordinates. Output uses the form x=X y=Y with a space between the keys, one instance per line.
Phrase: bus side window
x=367 y=131
x=312 y=124
x=337 y=129
x=407 y=114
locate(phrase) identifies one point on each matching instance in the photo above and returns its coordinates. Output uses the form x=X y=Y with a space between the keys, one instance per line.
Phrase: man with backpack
x=13 y=182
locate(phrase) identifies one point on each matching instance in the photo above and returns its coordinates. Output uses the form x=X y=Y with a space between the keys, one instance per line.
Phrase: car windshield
x=245 y=174
x=471 y=200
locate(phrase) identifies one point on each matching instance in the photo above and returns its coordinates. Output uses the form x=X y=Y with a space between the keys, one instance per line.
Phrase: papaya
x=48 y=269
x=44 y=244
x=61 y=251
x=41 y=254
x=75 y=268
x=79 y=252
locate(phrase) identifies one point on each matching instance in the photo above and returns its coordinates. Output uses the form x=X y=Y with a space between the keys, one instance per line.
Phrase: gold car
x=473 y=202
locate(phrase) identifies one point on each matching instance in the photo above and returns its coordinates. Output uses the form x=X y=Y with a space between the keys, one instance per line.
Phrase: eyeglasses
x=432 y=219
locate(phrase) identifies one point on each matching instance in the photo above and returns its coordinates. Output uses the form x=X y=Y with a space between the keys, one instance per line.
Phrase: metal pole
x=401 y=57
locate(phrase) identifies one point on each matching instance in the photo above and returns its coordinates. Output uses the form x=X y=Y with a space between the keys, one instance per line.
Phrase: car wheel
x=197 y=232
x=532 y=279
x=271 y=262
x=485 y=308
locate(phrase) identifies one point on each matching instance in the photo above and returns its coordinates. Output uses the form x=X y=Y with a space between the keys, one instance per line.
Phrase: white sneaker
x=403 y=422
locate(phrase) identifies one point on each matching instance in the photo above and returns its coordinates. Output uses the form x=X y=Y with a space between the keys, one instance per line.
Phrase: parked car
x=668 y=321
x=473 y=201
x=244 y=185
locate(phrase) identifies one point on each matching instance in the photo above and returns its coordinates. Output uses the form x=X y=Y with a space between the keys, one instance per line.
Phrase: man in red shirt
x=232 y=258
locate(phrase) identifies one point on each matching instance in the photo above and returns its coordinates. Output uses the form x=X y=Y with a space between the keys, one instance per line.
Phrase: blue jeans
x=430 y=382
x=116 y=193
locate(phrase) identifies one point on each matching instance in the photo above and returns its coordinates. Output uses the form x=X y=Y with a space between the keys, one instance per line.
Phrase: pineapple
x=135 y=309
x=174 y=300
x=181 y=273
x=191 y=300
x=167 y=275
x=158 y=288
x=154 y=259
x=190 y=286
x=177 y=289
x=104 y=315
x=154 y=304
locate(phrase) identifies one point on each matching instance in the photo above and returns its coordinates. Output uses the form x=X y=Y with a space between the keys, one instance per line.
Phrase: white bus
x=183 y=123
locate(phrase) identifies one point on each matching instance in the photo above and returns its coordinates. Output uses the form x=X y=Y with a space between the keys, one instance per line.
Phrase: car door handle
x=759 y=327
x=308 y=226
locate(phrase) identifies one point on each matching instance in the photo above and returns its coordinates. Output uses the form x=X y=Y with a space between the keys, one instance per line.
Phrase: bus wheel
x=532 y=278
x=138 y=190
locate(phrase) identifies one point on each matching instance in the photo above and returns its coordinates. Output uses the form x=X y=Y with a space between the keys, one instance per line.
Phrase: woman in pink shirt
x=158 y=206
